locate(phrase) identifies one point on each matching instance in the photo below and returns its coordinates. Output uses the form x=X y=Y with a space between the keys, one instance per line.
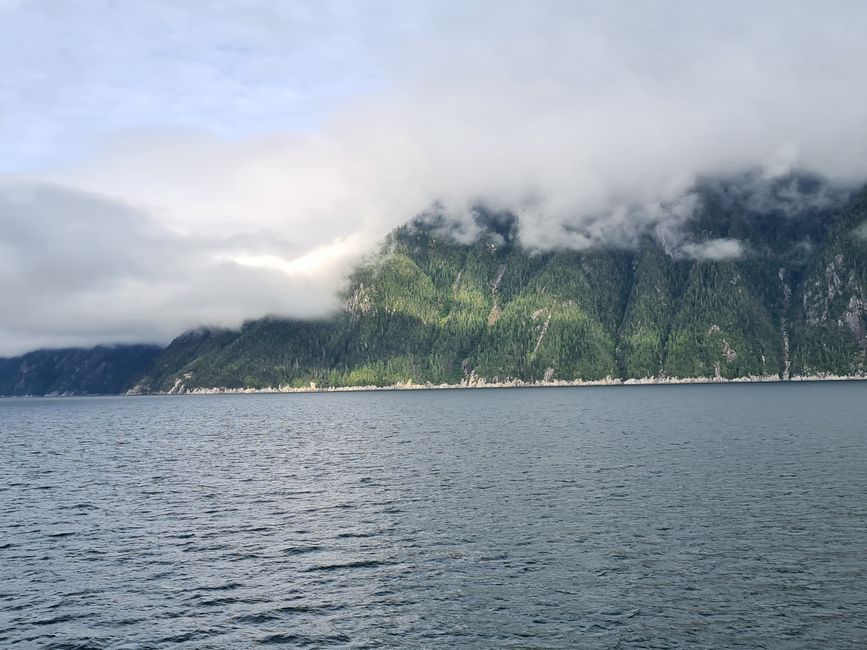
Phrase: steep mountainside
x=104 y=370
x=428 y=309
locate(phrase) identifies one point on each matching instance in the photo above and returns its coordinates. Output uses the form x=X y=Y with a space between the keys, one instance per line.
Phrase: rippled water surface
x=676 y=516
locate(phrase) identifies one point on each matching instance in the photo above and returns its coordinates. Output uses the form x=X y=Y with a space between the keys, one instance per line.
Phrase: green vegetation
x=830 y=329
x=428 y=309
x=104 y=370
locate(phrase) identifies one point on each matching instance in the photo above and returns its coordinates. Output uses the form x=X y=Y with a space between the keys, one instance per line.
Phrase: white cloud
x=715 y=250
x=81 y=269
x=591 y=121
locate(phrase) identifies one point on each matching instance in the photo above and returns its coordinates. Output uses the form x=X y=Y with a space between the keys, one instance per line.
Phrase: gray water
x=645 y=517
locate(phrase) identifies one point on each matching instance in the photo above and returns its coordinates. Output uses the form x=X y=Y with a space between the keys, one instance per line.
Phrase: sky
x=171 y=164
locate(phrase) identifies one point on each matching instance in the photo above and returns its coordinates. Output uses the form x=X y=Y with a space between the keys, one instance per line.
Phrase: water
x=675 y=516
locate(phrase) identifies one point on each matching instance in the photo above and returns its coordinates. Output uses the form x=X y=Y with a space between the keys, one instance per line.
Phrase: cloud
x=715 y=250
x=591 y=122
x=74 y=72
x=80 y=269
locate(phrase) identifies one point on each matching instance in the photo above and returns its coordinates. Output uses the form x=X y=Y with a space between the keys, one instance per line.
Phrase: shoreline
x=478 y=384
x=514 y=383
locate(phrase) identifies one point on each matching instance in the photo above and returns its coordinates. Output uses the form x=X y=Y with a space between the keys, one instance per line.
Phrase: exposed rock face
x=729 y=352
x=854 y=318
x=496 y=310
x=359 y=301
x=543 y=329
x=822 y=291
x=831 y=334
x=784 y=323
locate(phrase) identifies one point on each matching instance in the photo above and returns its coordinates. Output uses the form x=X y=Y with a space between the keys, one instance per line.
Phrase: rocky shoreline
x=476 y=384
x=180 y=389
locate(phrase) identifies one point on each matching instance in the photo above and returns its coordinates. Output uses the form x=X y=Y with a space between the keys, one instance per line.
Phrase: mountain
x=74 y=371
x=767 y=278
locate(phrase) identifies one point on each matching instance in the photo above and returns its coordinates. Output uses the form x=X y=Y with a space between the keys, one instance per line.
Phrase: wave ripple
x=676 y=517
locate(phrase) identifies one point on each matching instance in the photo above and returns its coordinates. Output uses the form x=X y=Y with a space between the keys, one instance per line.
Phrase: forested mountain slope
x=104 y=370
x=430 y=309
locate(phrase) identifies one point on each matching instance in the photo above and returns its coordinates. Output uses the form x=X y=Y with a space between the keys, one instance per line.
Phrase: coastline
x=476 y=384
x=180 y=389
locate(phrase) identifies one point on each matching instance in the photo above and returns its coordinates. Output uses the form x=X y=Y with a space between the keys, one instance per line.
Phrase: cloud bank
x=591 y=123
x=78 y=269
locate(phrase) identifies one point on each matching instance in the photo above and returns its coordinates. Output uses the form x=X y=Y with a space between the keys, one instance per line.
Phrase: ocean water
x=624 y=517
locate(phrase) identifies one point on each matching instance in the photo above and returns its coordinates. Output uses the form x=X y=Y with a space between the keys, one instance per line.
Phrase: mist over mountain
x=760 y=277
x=764 y=277
x=230 y=160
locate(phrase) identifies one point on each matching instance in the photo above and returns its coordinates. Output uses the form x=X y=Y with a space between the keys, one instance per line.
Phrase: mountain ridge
x=102 y=370
x=430 y=310
x=766 y=279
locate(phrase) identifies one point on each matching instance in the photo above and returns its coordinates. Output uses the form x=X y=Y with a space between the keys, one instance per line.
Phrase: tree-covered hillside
x=429 y=309
x=104 y=370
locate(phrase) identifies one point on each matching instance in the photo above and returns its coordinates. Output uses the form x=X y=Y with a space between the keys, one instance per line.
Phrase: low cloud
x=591 y=123
x=715 y=250
x=80 y=269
